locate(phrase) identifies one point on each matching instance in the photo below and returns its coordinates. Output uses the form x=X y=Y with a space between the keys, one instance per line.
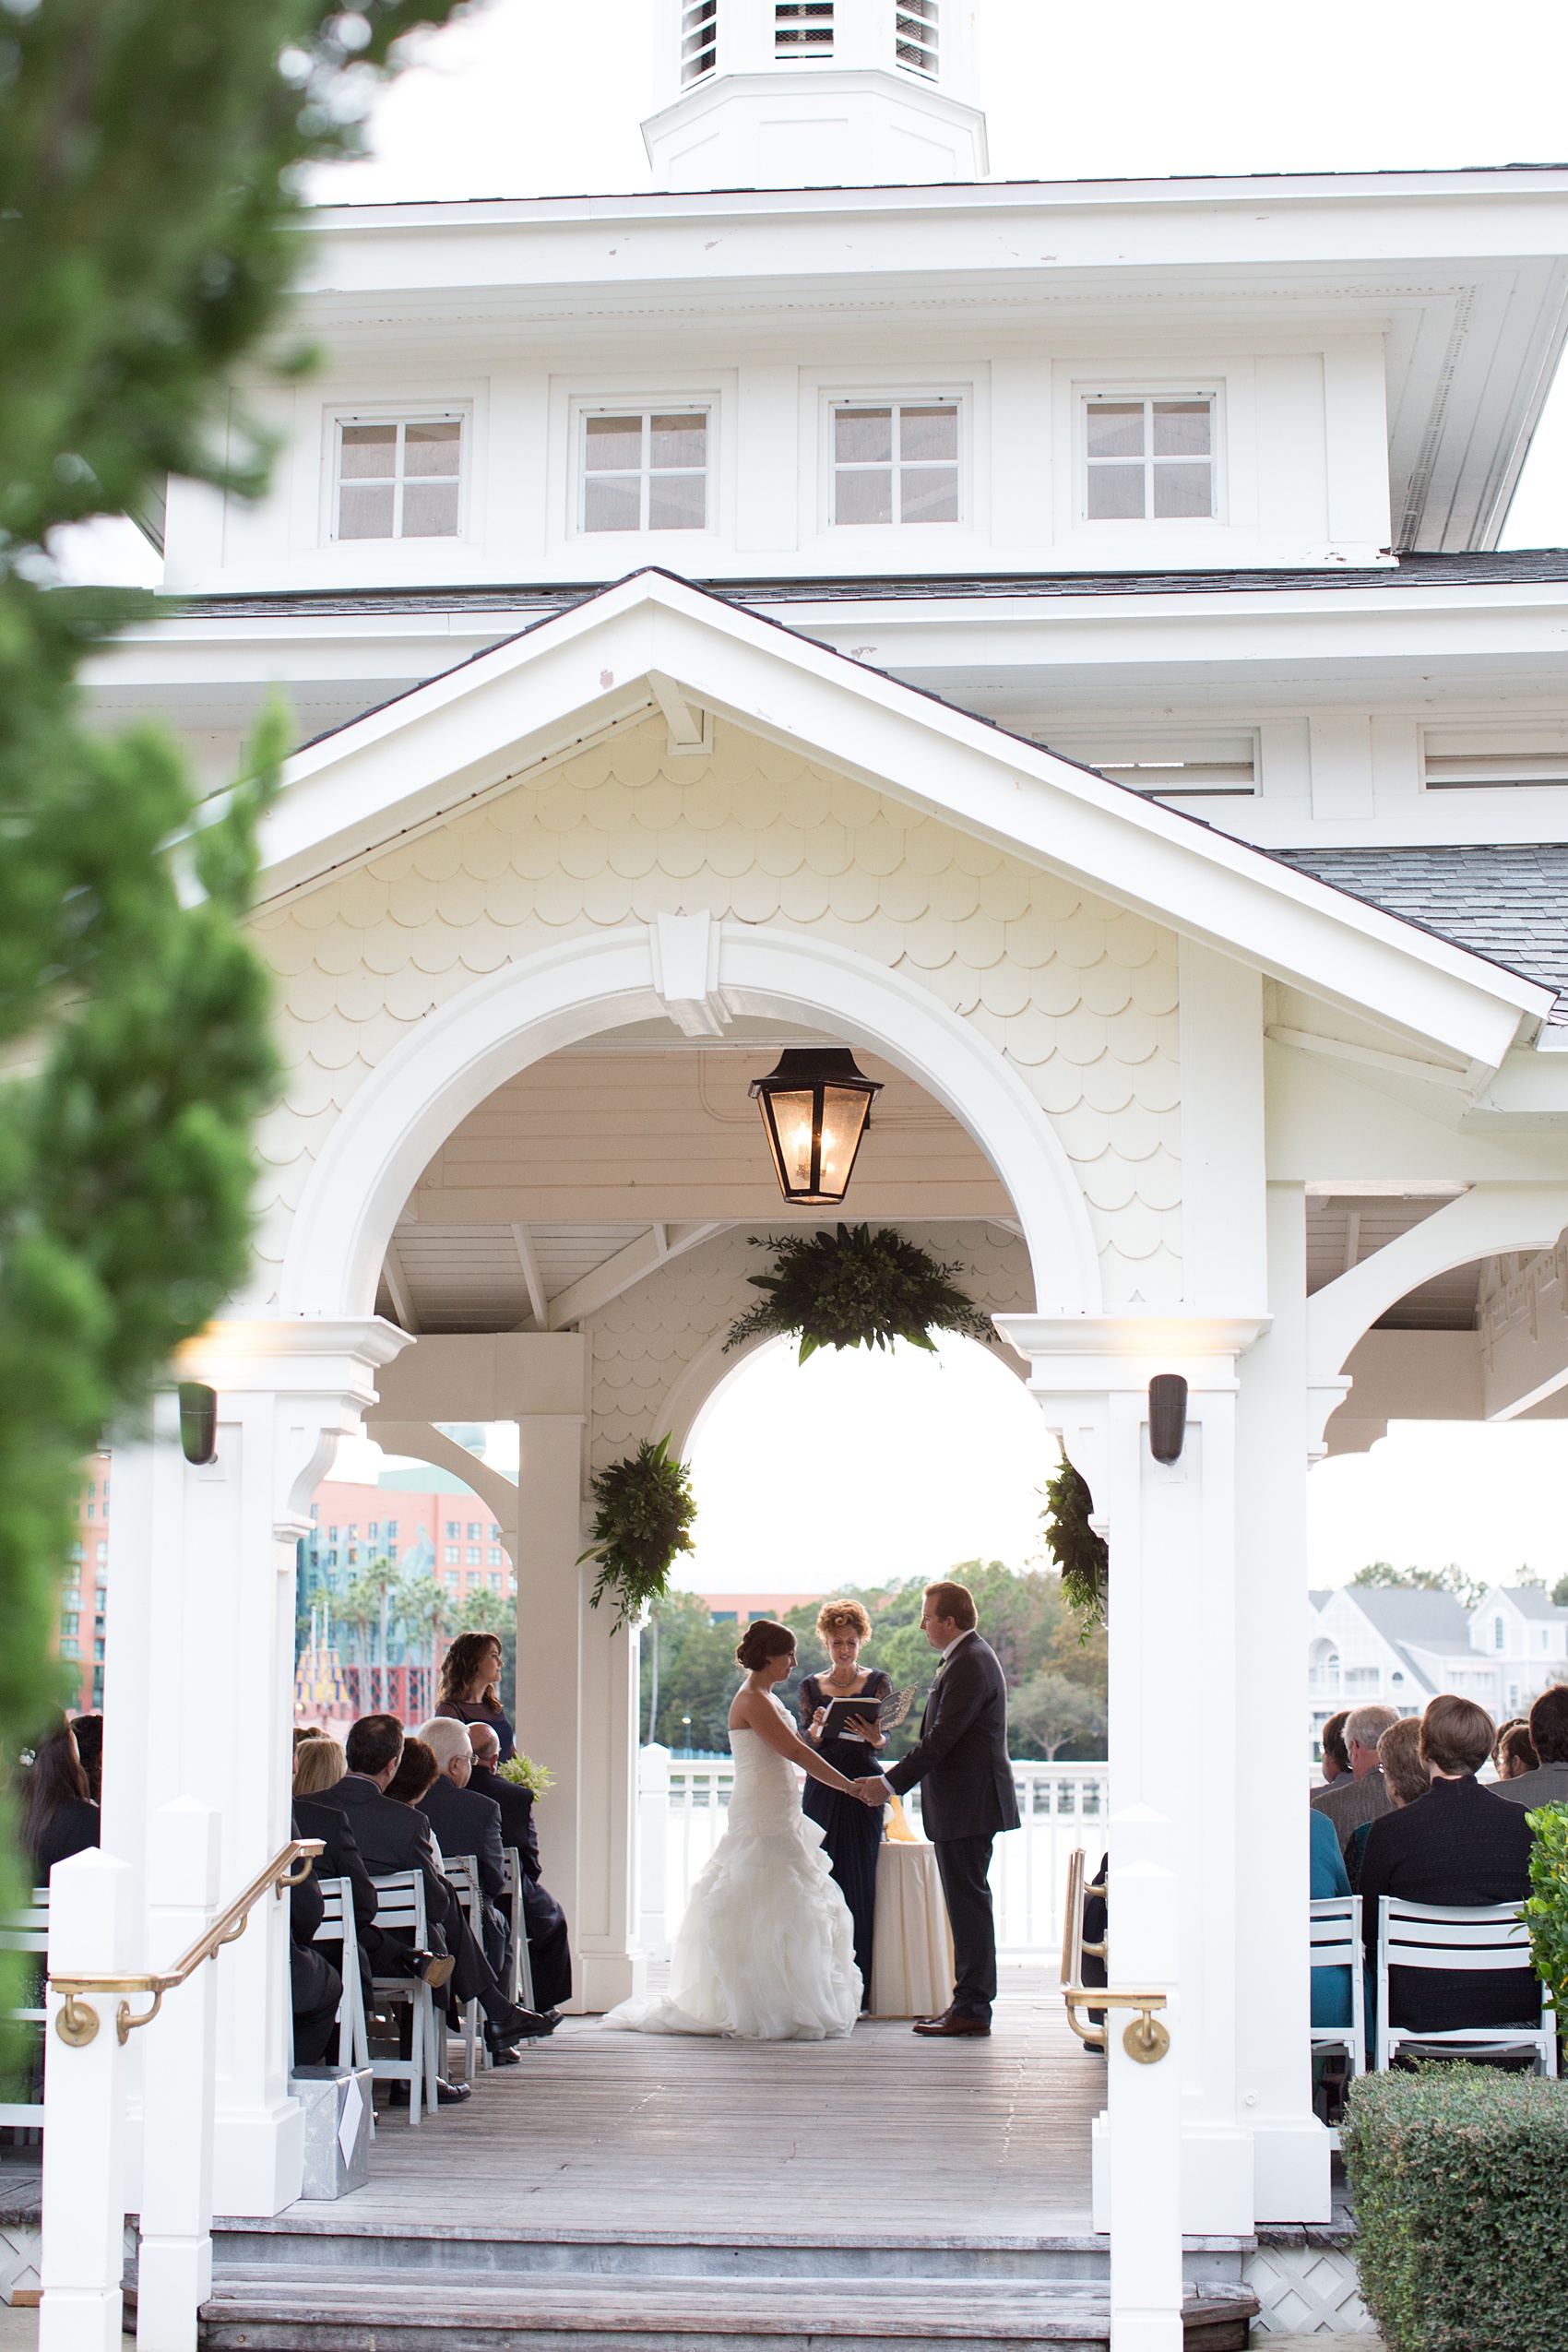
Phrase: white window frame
x=648 y=405
x=1090 y=396
x=400 y=412
x=906 y=396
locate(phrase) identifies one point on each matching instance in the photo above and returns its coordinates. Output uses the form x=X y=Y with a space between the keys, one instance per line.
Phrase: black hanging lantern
x=198 y=1423
x=816 y=1107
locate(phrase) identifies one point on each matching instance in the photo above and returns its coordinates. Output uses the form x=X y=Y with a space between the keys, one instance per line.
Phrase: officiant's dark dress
x=851 y=1833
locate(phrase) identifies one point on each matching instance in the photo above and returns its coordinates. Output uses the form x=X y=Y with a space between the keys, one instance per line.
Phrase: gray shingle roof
x=1507 y=902
x=1531 y=1601
x=1431 y=1621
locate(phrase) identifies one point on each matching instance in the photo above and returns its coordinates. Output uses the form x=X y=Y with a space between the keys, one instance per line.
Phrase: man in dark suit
x=467 y=1822
x=1459 y=1844
x=319 y=1816
x=1364 y=1795
x=544 y=1922
x=966 y=1796
x=396 y=1837
x=1548 y=1785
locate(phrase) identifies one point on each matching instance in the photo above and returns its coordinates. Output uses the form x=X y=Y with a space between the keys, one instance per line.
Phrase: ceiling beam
x=650 y=1249
x=401 y=1295
x=529 y=1260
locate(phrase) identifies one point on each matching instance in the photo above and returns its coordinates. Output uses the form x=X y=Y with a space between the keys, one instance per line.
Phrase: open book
x=844 y=1713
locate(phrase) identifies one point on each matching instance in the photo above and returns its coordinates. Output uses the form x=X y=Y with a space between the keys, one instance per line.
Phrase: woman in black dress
x=59 y=1818
x=852 y=1831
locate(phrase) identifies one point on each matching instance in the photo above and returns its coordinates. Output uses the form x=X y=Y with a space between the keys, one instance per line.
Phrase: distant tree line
x=1056 y=1676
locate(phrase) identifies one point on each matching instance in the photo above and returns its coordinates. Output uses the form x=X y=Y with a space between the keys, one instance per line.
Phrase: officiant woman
x=852 y=1831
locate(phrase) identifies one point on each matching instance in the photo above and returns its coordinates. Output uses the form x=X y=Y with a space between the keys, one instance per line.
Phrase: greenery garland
x=643 y=1523
x=1083 y=1557
x=856 y=1288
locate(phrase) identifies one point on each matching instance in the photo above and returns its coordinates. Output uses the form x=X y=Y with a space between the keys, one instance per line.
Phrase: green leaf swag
x=643 y=1522
x=1083 y=1557
x=854 y=1287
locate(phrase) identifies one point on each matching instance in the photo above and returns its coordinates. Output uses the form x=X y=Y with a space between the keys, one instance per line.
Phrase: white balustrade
x=685 y=1807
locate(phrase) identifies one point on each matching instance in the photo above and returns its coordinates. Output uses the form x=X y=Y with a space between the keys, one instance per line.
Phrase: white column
x=91 y=1933
x=1272 y=1989
x=174 y=2264
x=199 y=1698
x=1173 y=1673
x=577 y=1712
x=653 y=1846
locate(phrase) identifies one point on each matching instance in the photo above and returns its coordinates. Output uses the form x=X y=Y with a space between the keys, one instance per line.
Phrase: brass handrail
x=1145 y=2039
x=76 y=2021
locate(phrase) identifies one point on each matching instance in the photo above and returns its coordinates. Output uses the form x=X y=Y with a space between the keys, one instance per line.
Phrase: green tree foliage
x=1049 y=1713
x=1560 y=1593
x=1022 y=1615
x=1546 y=1913
x=149 y=153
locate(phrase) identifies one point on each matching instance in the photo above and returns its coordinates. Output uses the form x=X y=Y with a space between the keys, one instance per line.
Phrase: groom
x=961 y=1756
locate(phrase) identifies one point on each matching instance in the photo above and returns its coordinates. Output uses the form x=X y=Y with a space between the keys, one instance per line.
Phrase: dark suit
x=396 y=1837
x=516 y=1814
x=466 y=1822
x=315 y=1986
x=544 y=1922
x=1349 y=1803
x=966 y=1797
x=1546 y=1786
x=1458 y=1844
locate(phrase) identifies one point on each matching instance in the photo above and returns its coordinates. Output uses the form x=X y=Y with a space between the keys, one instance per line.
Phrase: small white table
x=911 y=1968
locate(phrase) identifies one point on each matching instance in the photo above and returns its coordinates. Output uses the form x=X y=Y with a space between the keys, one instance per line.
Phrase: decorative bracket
x=685 y=972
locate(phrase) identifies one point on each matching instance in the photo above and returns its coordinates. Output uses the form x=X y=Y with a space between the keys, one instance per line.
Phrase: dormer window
x=1148 y=460
x=896 y=462
x=914 y=36
x=802 y=28
x=700 y=40
x=399 y=479
x=645 y=470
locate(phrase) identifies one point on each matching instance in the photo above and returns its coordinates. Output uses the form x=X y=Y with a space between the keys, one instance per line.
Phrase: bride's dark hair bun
x=762 y=1640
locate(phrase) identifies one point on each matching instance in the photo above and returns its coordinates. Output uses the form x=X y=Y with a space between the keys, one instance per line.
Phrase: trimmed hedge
x=1460 y=2180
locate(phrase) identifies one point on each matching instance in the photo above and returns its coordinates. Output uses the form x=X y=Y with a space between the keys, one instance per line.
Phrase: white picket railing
x=685 y=1802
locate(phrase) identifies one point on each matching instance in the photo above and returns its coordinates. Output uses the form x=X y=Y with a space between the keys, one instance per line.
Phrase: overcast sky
x=869 y=1467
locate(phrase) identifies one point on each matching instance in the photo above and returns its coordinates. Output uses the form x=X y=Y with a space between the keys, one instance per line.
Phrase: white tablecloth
x=911 y=1968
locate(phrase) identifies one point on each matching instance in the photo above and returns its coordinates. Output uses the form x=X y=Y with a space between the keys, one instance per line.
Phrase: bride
x=766 y=1948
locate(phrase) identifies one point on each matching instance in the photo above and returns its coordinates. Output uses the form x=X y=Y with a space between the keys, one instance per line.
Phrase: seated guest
x=396 y=1837
x=319 y=1765
x=466 y=1822
x=58 y=1816
x=1404 y=1776
x=316 y=1987
x=1546 y=1782
x=417 y=1768
x=1336 y=1756
x=544 y=1922
x=470 y=1686
x=1363 y=1797
x=1513 y=1750
x=1330 y=1987
x=1461 y=1844
x=88 y=1732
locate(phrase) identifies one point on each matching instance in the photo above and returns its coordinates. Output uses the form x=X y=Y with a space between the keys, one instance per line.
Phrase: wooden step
x=279 y=2310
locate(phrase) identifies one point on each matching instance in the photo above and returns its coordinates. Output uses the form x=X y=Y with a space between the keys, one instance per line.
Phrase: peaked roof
x=1528 y=1599
x=1429 y=1620
x=571 y=677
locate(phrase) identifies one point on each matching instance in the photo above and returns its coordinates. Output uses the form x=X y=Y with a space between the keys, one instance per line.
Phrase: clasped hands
x=870 y=1792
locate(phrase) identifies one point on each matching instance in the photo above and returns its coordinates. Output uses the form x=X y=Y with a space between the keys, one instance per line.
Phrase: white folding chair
x=401 y=1906
x=338 y=1926
x=27 y=1931
x=521 y=1989
x=1471 y=1937
x=1335 y=1935
x=462 y=1872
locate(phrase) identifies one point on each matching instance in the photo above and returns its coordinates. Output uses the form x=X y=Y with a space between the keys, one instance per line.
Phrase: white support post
x=577 y=1712
x=174 y=2269
x=653 y=1843
x=84 y=2114
x=1143 y=2150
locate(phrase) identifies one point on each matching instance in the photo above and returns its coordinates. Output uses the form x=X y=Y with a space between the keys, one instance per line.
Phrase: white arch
x=468 y=1047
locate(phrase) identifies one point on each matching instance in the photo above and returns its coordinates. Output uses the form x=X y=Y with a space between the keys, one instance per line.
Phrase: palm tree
x=421 y=1608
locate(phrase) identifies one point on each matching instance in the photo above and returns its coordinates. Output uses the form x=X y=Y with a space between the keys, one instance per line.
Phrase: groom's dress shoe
x=954 y=2026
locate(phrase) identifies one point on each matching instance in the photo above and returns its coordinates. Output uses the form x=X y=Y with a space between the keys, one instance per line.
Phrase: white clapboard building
x=1048 y=639
x=1385 y=1645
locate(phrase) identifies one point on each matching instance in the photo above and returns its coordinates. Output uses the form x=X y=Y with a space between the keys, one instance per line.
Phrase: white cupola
x=817 y=93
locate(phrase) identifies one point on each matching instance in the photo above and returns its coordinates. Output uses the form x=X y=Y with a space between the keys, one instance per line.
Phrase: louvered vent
x=802 y=28
x=914 y=35
x=699 y=38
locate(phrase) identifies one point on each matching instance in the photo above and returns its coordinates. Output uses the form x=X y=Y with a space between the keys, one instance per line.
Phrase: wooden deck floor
x=883 y=2133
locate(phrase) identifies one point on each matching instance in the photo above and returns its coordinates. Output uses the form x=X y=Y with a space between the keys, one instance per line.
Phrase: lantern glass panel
x=843 y=1117
x=794 y=1115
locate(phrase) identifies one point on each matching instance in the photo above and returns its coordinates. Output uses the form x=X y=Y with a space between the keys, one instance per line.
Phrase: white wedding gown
x=766 y=1950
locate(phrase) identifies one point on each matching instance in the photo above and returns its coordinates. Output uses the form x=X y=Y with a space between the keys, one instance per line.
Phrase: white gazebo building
x=1049 y=638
